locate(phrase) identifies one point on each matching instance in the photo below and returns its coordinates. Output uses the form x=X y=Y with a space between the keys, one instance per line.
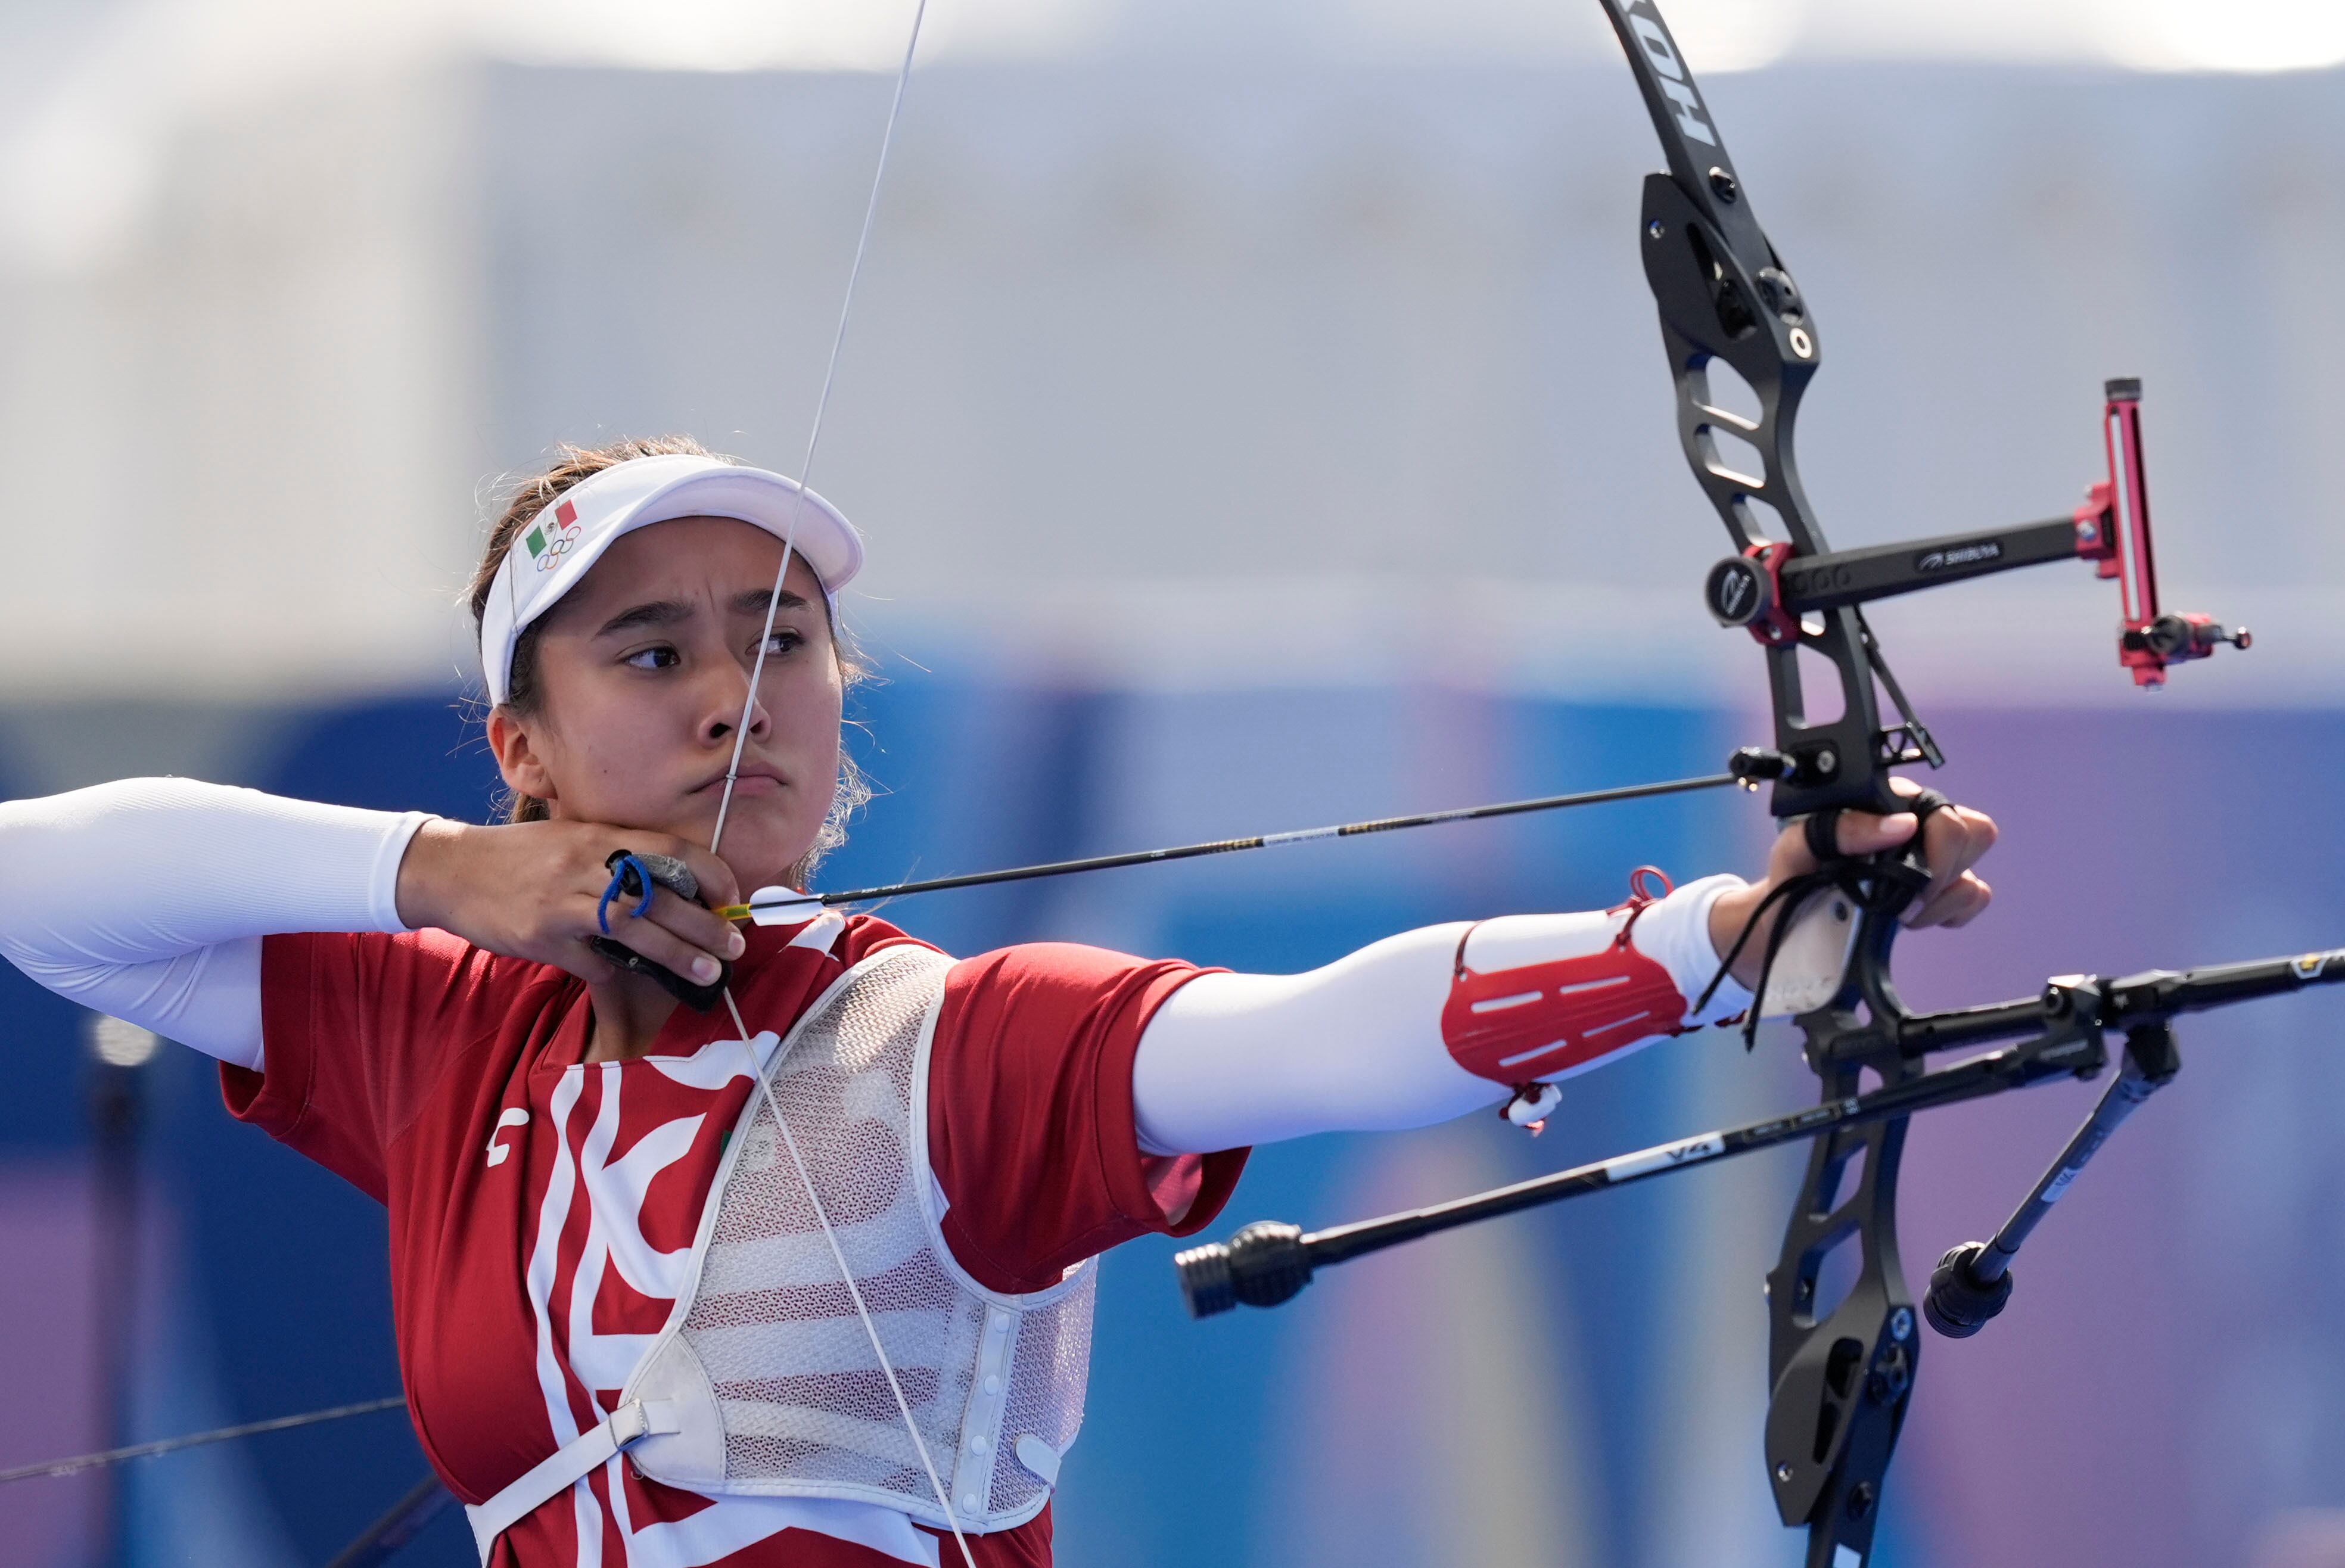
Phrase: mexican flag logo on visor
x=548 y=540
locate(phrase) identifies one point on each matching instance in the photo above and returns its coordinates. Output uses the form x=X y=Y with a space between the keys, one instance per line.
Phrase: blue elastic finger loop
x=618 y=886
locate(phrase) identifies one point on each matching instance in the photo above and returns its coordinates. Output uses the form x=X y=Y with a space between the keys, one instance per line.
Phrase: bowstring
x=733 y=774
x=854 y=1291
x=821 y=406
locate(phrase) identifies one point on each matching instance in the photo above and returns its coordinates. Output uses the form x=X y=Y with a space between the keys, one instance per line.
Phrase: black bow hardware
x=1842 y=1370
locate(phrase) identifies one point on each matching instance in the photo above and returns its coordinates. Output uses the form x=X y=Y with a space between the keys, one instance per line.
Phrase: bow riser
x=1715 y=305
x=1839 y=1384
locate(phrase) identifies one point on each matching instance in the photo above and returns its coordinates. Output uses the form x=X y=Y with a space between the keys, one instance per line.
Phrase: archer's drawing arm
x=147 y=898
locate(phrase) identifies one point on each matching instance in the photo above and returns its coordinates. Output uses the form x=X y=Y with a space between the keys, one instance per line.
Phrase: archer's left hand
x=1952 y=842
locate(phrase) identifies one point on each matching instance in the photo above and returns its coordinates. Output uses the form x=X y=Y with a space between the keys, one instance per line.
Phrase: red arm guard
x=1543 y=1021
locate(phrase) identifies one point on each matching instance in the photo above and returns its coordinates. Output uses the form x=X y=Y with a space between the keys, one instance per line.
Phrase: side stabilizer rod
x=1972 y=1283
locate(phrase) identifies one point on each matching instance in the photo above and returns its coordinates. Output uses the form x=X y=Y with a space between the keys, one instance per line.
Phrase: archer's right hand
x=532 y=889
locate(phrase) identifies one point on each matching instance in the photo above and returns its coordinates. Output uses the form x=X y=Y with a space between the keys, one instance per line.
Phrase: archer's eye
x=783 y=641
x=661 y=657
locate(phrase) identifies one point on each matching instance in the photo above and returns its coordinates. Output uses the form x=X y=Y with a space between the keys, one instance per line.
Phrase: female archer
x=804 y=1277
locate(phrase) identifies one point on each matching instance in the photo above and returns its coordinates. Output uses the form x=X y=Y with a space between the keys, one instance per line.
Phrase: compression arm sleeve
x=147 y=898
x=1378 y=1040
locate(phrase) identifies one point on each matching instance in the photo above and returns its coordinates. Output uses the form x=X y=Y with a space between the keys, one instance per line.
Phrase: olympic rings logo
x=557 y=547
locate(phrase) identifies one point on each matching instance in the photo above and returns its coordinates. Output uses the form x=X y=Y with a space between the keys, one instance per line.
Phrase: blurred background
x=1258 y=418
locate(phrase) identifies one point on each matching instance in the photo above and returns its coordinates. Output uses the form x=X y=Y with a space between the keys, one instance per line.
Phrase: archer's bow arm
x=1426 y=1025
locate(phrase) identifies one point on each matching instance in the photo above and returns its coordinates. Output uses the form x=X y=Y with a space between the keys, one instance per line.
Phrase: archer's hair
x=523 y=499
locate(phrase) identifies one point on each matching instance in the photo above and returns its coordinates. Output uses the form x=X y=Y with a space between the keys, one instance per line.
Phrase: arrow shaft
x=1259 y=841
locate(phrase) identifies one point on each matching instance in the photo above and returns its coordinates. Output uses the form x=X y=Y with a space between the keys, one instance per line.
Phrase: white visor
x=561 y=544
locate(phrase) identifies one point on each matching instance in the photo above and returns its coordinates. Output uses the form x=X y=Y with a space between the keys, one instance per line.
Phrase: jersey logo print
x=603 y=1275
x=512 y=1115
x=616 y=1190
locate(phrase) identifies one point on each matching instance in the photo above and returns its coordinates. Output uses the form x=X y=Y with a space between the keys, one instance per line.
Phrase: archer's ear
x=511 y=740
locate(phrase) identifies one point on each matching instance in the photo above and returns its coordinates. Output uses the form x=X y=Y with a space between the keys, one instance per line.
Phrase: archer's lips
x=753 y=780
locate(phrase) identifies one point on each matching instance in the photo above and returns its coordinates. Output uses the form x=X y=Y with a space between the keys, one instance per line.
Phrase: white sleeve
x=1231 y=1060
x=147 y=898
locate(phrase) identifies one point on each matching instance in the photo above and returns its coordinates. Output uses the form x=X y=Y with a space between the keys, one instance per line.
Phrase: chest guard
x=771 y=1380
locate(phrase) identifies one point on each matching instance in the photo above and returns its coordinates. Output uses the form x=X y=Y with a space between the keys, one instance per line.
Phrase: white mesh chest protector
x=773 y=1379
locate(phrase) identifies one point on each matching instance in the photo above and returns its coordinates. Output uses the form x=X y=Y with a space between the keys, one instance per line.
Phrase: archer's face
x=643 y=669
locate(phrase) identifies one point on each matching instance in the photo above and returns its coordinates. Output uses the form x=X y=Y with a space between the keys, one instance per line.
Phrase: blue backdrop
x=1577 y=1386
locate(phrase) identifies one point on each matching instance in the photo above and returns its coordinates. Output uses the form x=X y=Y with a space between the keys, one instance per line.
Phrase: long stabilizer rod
x=1268 y=1263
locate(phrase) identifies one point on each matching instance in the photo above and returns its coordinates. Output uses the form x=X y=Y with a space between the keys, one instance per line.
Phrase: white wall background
x=1279 y=360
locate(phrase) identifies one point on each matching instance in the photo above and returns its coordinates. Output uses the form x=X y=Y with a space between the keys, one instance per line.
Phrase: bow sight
x=1770 y=589
x=1841 y=1368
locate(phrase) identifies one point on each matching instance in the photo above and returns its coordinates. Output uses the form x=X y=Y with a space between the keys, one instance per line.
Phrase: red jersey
x=542 y=1208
